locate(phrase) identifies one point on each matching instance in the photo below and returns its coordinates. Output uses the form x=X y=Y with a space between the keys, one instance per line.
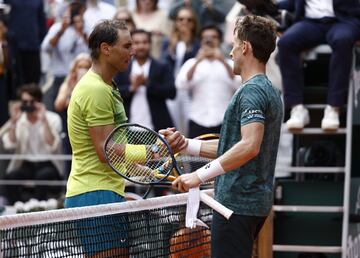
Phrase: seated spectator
x=122 y=14
x=149 y=17
x=336 y=23
x=210 y=79
x=64 y=41
x=146 y=85
x=33 y=131
x=178 y=48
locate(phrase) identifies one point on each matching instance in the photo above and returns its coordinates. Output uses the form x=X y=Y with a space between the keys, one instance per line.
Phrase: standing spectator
x=4 y=89
x=210 y=91
x=146 y=85
x=208 y=11
x=33 y=131
x=122 y=14
x=336 y=23
x=149 y=17
x=96 y=11
x=64 y=41
x=26 y=29
x=178 y=48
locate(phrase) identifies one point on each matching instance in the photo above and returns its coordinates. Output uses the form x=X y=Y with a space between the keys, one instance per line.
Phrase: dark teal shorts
x=100 y=233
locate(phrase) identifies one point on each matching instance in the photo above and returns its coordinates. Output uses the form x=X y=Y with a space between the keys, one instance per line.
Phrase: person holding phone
x=33 y=131
x=210 y=91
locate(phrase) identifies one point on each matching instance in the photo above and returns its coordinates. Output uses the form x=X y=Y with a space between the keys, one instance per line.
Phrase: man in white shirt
x=33 y=131
x=333 y=22
x=211 y=82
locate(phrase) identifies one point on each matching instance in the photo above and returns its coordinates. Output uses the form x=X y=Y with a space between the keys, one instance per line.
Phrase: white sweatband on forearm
x=210 y=170
x=193 y=148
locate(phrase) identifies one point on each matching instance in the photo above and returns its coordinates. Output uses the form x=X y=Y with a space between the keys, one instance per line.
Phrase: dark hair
x=104 y=32
x=32 y=89
x=260 y=32
x=212 y=27
x=155 y=5
x=76 y=8
x=141 y=31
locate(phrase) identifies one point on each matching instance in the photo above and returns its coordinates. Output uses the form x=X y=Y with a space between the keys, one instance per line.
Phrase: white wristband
x=210 y=170
x=193 y=147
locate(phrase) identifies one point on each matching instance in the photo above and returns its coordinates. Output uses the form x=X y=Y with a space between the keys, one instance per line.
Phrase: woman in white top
x=182 y=45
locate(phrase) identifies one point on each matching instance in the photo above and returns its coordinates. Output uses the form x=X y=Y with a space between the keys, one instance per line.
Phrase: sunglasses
x=184 y=19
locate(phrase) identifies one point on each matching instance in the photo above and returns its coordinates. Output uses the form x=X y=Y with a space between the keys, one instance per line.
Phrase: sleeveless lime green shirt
x=93 y=103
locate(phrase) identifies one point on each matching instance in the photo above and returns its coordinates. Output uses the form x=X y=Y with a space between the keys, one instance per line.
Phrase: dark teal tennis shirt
x=248 y=190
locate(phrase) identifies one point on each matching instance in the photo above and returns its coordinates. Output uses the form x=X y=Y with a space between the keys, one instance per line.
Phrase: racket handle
x=169 y=177
x=215 y=205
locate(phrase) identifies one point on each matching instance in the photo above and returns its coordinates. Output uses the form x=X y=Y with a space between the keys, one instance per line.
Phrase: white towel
x=192 y=208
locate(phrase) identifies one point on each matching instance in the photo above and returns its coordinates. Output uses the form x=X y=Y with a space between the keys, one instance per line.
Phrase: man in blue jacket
x=146 y=85
x=336 y=23
x=26 y=30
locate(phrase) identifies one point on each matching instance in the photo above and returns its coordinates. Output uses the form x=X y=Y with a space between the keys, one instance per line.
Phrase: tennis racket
x=143 y=156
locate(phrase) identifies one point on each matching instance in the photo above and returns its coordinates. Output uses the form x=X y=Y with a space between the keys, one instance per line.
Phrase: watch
x=155 y=148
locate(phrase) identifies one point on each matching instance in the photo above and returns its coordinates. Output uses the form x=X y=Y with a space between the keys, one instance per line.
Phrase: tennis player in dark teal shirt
x=247 y=190
x=245 y=154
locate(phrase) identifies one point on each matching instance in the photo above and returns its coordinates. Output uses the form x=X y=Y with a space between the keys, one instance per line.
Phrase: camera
x=27 y=108
x=209 y=42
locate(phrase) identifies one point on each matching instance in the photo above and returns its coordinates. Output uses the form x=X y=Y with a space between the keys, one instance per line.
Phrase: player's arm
x=243 y=151
x=246 y=149
x=98 y=136
x=209 y=149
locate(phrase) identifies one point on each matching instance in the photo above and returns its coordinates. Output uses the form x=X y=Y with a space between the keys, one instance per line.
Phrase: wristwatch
x=154 y=148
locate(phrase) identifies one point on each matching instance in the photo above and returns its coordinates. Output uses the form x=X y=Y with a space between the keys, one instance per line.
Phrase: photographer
x=63 y=42
x=211 y=82
x=33 y=131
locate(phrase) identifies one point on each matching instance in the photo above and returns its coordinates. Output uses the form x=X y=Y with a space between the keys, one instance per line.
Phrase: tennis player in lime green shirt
x=94 y=110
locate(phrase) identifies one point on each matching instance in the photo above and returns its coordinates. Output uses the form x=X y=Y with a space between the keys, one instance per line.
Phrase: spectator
x=79 y=67
x=122 y=14
x=336 y=23
x=33 y=131
x=96 y=11
x=149 y=17
x=146 y=85
x=26 y=29
x=208 y=11
x=178 y=48
x=64 y=41
x=4 y=91
x=210 y=92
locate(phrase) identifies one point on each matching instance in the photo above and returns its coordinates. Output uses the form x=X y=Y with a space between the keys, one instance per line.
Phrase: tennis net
x=144 y=228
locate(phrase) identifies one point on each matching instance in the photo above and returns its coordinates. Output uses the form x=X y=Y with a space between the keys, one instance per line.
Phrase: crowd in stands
x=181 y=73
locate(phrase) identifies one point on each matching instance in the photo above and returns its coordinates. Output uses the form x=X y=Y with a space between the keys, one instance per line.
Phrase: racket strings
x=137 y=165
